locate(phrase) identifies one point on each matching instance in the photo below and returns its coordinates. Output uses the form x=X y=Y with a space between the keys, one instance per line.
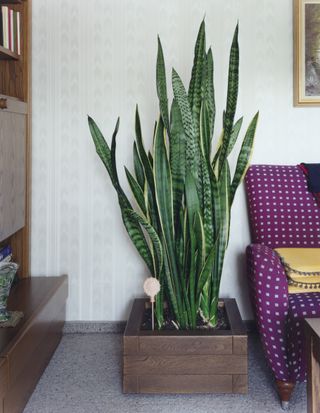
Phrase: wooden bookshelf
x=3 y=2
x=26 y=349
x=6 y=54
x=15 y=86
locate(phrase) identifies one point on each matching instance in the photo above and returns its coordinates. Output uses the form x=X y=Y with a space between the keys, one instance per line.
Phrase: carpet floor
x=84 y=376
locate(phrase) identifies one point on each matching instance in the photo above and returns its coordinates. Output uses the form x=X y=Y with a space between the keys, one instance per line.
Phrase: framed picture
x=306 y=52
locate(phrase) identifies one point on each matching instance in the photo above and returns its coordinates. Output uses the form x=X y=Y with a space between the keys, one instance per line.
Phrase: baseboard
x=89 y=327
x=117 y=327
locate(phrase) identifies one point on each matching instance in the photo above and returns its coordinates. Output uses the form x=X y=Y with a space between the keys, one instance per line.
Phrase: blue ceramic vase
x=7 y=272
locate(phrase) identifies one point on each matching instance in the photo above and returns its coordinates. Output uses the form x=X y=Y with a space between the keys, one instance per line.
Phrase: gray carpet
x=84 y=376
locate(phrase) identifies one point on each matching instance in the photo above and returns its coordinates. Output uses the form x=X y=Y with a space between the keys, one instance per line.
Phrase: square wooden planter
x=197 y=361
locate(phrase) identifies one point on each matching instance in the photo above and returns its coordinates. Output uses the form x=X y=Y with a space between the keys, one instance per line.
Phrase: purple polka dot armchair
x=282 y=213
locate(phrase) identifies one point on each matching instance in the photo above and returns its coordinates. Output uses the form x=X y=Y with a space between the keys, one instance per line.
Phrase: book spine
x=1 y=27
x=5 y=251
x=15 y=46
x=18 y=34
x=10 y=28
x=5 y=26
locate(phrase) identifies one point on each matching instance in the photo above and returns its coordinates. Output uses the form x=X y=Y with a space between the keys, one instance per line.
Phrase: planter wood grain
x=197 y=361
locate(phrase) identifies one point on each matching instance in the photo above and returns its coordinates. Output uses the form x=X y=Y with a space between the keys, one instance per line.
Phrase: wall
x=98 y=58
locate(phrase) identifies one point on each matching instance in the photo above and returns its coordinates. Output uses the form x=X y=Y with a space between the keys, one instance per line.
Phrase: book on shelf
x=8 y=258
x=10 y=29
x=5 y=252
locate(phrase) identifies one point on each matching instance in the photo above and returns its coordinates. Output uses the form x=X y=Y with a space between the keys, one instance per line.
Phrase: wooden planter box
x=197 y=361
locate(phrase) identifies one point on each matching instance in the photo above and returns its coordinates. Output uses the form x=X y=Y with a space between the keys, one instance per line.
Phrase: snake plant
x=182 y=190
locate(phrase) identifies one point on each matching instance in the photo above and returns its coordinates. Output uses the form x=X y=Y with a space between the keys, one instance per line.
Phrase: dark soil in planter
x=169 y=324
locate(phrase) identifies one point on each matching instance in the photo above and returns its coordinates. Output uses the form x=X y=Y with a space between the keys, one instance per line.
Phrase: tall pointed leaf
x=106 y=156
x=142 y=152
x=177 y=157
x=232 y=97
x=158 y=259
x=205 y=273
x=137 y=192
x=102 y=147
x=192 y=149
x=209 y=97
x=194 y=92
x=164 y=199
x=138 y=167
x=207 y=206
x=244 y=156
x=162 y=87
x=234 y=135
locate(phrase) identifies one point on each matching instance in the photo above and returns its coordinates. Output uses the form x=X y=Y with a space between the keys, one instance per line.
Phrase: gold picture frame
x=306 y=14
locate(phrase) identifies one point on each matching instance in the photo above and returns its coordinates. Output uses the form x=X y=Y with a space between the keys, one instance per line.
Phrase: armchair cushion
x=302 y=266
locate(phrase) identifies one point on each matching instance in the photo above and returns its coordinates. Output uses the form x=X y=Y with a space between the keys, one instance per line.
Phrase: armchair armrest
x=269 y=296
x=266 y=274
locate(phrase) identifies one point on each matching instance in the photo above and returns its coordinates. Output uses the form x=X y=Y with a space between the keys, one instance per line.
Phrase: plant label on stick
x=151 y=287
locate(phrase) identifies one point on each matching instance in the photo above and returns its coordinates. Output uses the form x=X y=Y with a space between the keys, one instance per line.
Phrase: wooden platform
x=26 y=349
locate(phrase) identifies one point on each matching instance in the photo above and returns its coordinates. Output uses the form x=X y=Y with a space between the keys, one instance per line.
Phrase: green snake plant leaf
x=105 y=154
x=232 y=97
x=209 y=98
x=233 y=139
x=162 y=87
x=205 y=184
x=147 y=166
x=216 y=204
x=138 y=167
x=177 y=158
x=137 y=192
x=164 y=199
x=205 y=273
x=201 y=242
x=225 y=217
x=150 y=159
x=102 y=148
x=220 y=245
x=192 y=274
x=152 y=212
x=171 y=288
x=205 y=131
x=192 y=149
x=142 y=152
x=194 y=92
x=193 y=210
x=179 y=240
x=157 y=246
x=234 y=135
x=163 y=182
x=207 y=206
x=192 y=198
x=244 y=156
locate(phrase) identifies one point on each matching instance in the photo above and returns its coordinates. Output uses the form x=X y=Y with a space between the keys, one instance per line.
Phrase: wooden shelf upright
x=25 y=349
x=15 y=141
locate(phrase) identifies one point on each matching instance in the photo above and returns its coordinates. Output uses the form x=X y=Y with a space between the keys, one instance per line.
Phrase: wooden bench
x=26 y=349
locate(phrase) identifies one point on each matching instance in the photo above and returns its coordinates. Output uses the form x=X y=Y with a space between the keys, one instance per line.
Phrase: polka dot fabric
x=282 y=214
x=270 y=300
x=300 y=306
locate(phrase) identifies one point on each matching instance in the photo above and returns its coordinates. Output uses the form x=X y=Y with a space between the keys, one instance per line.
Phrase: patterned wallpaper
x=98 y=58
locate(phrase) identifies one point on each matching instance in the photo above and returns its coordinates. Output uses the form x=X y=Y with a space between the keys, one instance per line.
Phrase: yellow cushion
x=305 y=260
